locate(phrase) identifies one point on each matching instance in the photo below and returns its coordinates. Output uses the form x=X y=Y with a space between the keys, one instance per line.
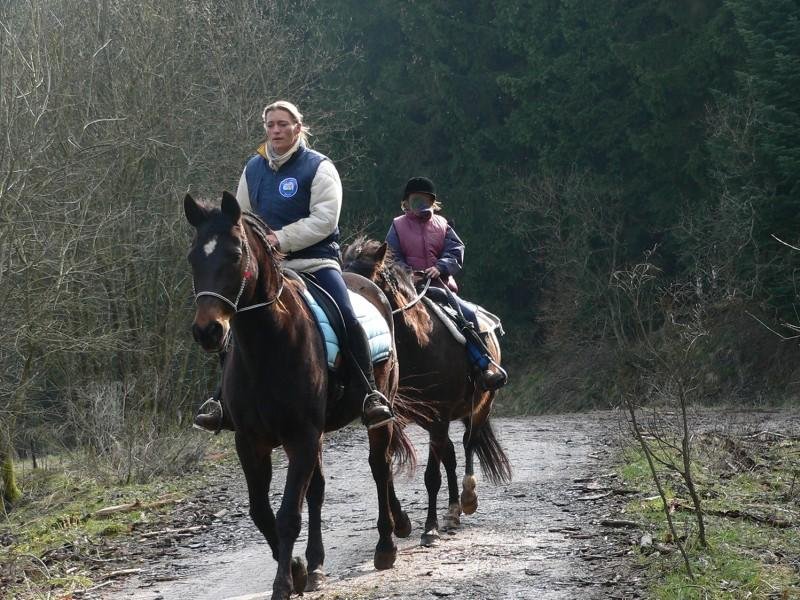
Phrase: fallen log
x=123 y=573
x=131 y=506
x=619 y=523
x=771 y=520
x=175 y=532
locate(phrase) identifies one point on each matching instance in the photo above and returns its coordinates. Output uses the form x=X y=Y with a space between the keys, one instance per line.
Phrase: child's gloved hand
x=433 y=272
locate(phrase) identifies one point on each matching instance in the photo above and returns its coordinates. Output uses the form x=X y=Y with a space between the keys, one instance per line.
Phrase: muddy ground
x=545 y=535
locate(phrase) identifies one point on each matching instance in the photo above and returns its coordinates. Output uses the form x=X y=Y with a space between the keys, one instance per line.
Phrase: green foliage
x=58 y=513
x=759 y=152
x=613 y=108
x=566 y=139
x=745 y=557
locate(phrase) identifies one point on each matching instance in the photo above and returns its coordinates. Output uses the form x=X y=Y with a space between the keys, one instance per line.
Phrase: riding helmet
x=419 y=185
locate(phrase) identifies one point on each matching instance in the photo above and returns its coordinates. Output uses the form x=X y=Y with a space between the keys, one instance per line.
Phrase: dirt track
x=538 y=537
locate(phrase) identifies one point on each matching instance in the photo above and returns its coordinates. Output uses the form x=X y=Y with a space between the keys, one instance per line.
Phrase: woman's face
x=282 y=130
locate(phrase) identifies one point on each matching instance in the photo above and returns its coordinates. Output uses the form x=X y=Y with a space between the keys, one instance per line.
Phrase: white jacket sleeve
x=243 y=194
x=324 y=206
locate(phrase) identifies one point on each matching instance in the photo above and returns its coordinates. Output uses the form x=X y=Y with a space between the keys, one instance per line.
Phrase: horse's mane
x=395 y=280
x=260 y=229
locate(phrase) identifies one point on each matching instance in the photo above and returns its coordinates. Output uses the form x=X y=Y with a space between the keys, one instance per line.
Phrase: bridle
x=234 y=304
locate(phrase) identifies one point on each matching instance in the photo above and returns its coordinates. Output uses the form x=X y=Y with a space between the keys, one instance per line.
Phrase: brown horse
x=278 y=389
x=434 y=369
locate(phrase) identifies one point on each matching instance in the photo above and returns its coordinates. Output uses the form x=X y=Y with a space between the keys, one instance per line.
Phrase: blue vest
x=284 y=196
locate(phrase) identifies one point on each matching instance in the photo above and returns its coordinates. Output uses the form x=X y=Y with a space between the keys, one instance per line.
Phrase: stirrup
x=376 y=398
x=499 y=372
x=216 y=406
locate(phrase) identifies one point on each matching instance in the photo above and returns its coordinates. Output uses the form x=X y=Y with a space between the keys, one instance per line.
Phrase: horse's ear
x=195 y=213
x=380 y=254
x=230 y=207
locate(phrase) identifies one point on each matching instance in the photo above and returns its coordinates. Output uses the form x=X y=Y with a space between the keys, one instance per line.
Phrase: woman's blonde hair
x=293 y=111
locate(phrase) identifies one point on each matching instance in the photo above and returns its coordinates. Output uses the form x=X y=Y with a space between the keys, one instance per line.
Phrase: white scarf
x=278 y=160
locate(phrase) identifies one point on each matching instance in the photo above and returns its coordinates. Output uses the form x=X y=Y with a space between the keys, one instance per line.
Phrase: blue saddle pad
x=375 y=326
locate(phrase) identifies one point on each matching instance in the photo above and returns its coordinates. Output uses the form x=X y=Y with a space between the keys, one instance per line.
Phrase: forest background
x=572 y=143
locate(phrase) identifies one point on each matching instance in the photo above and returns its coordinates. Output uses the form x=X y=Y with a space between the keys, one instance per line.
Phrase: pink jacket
x=423 y=242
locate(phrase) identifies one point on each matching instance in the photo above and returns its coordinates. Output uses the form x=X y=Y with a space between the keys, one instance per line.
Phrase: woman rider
x=297 y=191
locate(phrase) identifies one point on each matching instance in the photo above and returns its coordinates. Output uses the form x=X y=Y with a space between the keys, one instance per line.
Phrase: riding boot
x=375 y=410
x=490 y=375
x=210 y=416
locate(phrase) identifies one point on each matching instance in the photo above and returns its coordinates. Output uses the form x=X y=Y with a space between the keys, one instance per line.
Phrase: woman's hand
x=273 y=241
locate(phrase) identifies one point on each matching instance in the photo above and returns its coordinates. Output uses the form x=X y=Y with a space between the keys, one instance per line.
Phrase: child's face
x=420 y=203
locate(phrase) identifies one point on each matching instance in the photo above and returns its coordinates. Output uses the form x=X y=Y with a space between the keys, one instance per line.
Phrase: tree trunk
x=9 y=491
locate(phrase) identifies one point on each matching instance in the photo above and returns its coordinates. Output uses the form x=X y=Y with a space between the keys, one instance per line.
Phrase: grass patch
x=751 y=499
x=52 y=542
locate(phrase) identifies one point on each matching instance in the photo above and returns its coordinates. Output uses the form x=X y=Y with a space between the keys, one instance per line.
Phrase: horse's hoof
x=280 y=595
x=385 y=559
x=452 y=518
x=469 y=499
x=299 y=575
x=402 y=525
x=429 y=538
x=316 y=580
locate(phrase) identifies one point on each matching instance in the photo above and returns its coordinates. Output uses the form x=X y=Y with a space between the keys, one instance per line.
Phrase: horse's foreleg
x=315 y=551
x=257 y=466
x=303 y=455
x=452 y=518
x=380 y=464
x=433 y=481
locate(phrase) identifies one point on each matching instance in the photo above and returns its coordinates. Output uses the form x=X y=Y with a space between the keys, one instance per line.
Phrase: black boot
x=492 y=379
x=375 y=410
x=490 y=375
x=211 y=416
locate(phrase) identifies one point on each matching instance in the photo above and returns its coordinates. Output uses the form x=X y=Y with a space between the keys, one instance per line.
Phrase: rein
x=415 y=300
x=254 y=222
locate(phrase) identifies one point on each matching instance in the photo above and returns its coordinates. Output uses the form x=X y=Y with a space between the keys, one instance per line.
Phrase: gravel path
x=540 y=537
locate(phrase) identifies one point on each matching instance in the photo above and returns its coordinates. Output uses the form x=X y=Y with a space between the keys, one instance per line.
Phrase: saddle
x=331 y=324
x=454 y=321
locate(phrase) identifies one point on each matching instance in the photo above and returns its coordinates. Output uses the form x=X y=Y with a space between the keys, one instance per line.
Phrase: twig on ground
x=131 y=506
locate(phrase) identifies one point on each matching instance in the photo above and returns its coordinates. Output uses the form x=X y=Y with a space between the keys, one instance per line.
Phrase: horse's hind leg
x=469 y=497
x=380 y=464
x=315 y=551
x=402 y=524
x=452 y=518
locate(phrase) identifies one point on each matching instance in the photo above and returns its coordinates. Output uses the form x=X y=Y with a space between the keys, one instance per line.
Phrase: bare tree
x=568 y=223
x=110 y=110
x=668 y=325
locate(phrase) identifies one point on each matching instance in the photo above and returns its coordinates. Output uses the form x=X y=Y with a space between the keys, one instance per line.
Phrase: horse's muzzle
x=210 y=336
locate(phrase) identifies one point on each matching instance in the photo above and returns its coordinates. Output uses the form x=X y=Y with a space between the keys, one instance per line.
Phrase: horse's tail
x=494 y=462
x=407 y=409
x=403 y=452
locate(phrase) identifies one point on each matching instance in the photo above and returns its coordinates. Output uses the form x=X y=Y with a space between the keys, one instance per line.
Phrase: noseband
x=247 y=275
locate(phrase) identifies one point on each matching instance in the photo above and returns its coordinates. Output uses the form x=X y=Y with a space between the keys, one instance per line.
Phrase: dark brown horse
x=277 y=385
x=435 y=370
